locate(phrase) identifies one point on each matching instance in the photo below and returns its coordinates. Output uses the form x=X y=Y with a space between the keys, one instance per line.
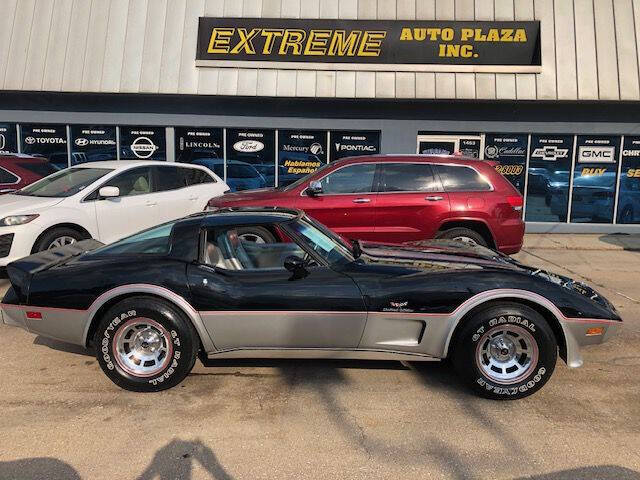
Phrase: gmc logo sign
x=596 y=155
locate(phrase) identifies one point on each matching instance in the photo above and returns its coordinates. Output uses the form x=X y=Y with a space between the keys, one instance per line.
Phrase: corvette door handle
x=433 y=198
x=362 y=200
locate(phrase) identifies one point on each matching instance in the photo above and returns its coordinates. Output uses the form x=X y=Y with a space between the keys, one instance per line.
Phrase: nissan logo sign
x=143 y=147
x=248 y=146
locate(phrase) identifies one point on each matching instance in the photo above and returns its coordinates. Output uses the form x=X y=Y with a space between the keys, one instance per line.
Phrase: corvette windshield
x=64 y=183
x=322 y=241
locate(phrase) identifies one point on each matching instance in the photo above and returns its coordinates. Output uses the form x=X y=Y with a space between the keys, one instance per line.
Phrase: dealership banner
x=8 y=138
x=200 y=145
x=391 y=45
x=510 y=151
x=594 y=178
x=629 y=194
x=350 y=143
x=92 y=143
x=250 y=158
x=550 y=158
x=300 y=152
x=143 y=143
x=49 y=141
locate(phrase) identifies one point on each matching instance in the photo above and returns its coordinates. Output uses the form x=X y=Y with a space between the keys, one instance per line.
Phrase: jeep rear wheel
x=145 y=344
x=506 y=351
x=464 y=235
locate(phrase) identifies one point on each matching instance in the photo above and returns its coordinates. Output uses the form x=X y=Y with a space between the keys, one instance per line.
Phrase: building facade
x=86 y=80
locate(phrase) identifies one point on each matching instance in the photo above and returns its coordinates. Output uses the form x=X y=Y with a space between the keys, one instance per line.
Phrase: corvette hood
x=18 y=204
x=437 y=254
x=255 y=197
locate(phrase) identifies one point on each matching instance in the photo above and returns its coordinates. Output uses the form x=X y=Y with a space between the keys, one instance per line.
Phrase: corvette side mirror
x=109 y=192
x=314 y=188
x=296 y=266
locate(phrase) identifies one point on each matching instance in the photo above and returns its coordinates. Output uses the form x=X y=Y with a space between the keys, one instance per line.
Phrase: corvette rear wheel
x=505 y=352
x=146 y=344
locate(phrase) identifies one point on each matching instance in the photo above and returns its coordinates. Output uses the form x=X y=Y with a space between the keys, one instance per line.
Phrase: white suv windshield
x=64 y=183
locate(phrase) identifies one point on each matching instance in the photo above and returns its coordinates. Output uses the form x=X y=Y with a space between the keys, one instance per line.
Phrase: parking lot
x=62 y=418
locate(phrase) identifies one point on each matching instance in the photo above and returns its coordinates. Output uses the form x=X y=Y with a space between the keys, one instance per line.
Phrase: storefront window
x=550 y=159
x=510 y=151
x=201 y=146
x=594 y=179
x=8 y=138
x=629 y=196
x=143 y=143
x=250 y=152
x=48 y=141
x=300 y=152
x=92 y=143
x=350 y=143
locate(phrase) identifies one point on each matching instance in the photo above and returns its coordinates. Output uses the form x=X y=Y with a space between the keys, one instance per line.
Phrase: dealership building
x=265 y=91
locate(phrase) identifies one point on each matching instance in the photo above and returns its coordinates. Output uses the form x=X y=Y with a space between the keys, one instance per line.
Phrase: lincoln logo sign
x=398 y=45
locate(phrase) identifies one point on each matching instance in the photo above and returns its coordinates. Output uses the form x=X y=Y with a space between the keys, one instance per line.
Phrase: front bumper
x=22 y=240
x=577 y=335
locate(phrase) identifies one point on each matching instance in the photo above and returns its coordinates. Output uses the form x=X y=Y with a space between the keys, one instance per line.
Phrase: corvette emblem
x=399 y=304
x=397 y=307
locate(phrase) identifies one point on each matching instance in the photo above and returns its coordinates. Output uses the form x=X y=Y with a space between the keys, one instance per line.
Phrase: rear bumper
x=509 y=237
x=14 y=317
x=61 y=324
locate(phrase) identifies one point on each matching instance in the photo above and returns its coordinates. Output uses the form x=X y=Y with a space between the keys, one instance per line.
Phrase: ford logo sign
x=248 y=146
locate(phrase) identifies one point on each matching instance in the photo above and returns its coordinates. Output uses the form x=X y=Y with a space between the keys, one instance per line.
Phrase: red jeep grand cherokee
x=400 y=198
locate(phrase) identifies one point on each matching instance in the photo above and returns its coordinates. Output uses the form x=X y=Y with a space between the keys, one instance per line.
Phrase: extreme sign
x=399 y=45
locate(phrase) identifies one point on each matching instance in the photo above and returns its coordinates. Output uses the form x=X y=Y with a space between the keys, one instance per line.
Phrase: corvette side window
x=226 y=249
x=351 y=179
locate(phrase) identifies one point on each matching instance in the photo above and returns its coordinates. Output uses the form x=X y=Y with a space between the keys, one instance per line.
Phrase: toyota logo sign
x=29 y=140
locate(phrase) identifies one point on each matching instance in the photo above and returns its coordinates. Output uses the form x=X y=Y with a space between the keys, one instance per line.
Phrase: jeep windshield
x=64 y=183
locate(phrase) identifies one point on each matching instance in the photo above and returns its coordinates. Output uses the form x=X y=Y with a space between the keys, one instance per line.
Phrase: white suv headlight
x=17 y=220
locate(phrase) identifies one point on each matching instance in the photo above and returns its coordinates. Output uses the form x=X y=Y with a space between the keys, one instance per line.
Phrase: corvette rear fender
x=111 y=296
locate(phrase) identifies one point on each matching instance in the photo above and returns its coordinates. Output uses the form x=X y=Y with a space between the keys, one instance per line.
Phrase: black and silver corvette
x=151 y=303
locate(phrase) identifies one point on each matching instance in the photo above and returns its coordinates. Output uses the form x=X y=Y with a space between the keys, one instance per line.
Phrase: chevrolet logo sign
x=550 y=153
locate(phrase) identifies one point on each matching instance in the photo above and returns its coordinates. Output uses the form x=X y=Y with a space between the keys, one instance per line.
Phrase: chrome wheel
x=252 y=237
x=507 y=354
x=61 y=242
x=143 y=347
x=466 y=240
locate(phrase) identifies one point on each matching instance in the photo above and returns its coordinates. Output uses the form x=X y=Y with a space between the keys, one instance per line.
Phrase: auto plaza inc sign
x=397 y=45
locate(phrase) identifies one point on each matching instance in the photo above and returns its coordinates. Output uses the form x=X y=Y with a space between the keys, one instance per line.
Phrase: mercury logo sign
x=81 y=142
x=143 y=147
x=248 y=146
x=550 y=153
x=316 y=149
x=596 y=154
x=29 y=140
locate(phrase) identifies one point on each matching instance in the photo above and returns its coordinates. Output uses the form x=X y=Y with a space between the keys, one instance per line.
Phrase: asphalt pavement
x=61 y=418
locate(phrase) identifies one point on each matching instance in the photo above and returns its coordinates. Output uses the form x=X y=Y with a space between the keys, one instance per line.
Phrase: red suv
x=401 y=198
x=17 y=171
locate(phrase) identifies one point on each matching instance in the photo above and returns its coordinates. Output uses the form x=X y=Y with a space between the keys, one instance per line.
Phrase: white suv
x=101 y=200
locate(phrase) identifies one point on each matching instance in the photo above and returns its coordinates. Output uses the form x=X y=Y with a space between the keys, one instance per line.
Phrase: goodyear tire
x=505 y=352
x=145 y=344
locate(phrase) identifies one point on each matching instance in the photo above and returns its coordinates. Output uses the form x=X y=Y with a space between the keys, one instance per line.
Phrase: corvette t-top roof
x=246 y=215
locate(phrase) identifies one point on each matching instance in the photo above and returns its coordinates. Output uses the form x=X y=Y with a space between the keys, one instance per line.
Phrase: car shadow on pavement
x=173 y=461
x=38 y=468
x=62 y=347
x=629 y=242
x=601 y=472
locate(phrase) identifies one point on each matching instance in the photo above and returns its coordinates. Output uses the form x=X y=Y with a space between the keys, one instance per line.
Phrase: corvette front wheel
x=505 y=352
x=145 y=344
